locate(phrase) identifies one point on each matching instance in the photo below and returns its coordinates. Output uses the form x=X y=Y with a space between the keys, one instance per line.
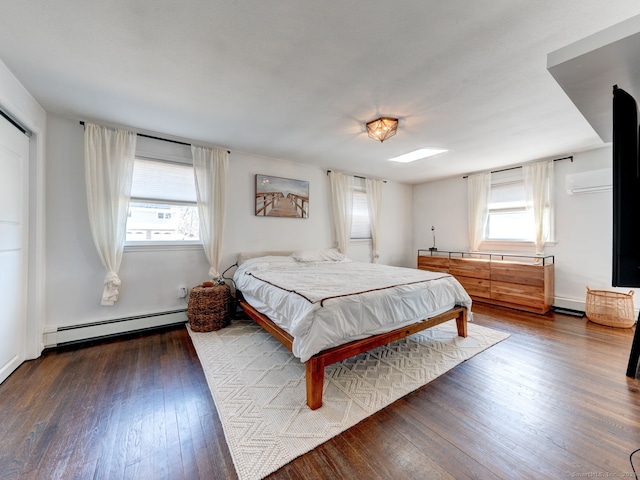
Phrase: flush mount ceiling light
x=382 y=128
x=417 y=155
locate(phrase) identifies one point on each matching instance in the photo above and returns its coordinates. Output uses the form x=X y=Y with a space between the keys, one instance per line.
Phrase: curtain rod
x=356 y=176
x=158 y=138
x=570 y=157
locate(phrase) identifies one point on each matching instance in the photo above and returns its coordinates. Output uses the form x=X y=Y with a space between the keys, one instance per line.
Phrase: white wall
x=584 y=223
x=150 y=277
x=442 y=205
x=245 y=231
x=18 y=102
x=583 y=226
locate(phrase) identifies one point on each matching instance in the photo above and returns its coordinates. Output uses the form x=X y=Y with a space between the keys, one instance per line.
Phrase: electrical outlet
x=182 y=292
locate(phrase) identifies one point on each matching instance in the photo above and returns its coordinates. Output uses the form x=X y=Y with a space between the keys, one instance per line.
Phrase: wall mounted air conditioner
x=593 y=181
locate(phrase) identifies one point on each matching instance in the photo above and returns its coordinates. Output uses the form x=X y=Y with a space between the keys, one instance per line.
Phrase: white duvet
x=326 y=304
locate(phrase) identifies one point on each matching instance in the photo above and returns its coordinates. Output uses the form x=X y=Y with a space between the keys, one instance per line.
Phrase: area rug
x=258 y=387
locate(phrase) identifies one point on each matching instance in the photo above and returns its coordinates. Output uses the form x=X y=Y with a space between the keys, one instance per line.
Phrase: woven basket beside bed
x=612 y=309
x=209 y=307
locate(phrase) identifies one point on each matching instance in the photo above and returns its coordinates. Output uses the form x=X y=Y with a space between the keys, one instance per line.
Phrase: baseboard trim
x=72 y=334
x=569 y=304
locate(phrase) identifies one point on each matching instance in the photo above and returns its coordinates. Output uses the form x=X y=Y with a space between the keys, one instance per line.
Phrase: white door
x=14 y=186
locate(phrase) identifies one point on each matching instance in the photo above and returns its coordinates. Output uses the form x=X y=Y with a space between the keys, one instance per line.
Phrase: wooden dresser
x=524 y=282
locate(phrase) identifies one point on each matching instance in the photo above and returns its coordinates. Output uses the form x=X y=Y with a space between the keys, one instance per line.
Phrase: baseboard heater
x=569 y=311
x=72 y=334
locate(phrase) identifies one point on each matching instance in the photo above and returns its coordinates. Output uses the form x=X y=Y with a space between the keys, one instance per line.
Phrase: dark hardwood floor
x=552 y=401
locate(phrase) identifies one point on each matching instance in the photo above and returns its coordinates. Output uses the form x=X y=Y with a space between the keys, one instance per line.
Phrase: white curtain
x=211 y=168
x=374 y=202
x=342 y=206
x=478 y=189
x=108 y=158
x=538 y=185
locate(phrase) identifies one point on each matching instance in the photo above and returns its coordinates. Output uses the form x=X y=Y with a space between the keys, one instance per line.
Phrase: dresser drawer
x=520 y=274
x=476 y=287
x=525 y=295
x=434 y=264
x=470 y=267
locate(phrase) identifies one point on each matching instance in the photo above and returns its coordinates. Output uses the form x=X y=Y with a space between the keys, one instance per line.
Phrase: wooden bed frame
x=315 y=365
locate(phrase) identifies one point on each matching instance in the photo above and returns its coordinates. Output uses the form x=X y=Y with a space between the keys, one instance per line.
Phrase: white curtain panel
x=478 y=189
x=342 y=206
x=374 y=201
x=108 y=158
x=538 y=185
x=211 y=169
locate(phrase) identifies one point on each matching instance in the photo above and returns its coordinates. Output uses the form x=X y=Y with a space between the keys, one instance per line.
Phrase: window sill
x=162 y=247
x=360 y=241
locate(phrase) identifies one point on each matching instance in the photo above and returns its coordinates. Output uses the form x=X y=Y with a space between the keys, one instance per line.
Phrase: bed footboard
x=315 y=365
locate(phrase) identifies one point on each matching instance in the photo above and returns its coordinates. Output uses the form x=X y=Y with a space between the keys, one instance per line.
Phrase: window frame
x=517 y=207
x=511 y=177
x=163 y=244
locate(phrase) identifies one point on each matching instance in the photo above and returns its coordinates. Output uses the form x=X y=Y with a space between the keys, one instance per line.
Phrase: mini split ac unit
x=593 y=181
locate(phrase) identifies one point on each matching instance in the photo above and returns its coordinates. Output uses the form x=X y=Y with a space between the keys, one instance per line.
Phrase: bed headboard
x=244 y=256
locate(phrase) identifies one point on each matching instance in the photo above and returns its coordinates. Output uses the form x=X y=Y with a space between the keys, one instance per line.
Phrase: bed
x=325 y=308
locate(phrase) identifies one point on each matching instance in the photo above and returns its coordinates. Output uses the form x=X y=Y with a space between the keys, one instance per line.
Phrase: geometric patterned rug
x=258 y=387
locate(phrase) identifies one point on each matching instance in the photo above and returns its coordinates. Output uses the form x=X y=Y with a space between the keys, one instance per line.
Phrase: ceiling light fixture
x=382 y=128
x=417 y=155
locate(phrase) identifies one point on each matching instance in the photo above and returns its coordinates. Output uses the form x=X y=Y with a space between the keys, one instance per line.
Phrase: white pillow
x=244 y=256
x=326 y=255
x=266 y=262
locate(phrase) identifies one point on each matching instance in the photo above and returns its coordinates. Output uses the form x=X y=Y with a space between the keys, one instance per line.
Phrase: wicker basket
x=209 y=307
x=612 y=309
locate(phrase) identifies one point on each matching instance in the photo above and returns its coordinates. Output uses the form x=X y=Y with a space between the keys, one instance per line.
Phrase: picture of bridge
x=281 y=197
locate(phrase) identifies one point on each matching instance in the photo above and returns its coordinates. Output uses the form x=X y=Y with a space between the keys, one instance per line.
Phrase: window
x=163 y=205
x=360 y=226
x=508 y=216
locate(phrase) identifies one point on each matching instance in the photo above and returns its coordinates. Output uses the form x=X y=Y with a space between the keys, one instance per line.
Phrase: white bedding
x=324 y=304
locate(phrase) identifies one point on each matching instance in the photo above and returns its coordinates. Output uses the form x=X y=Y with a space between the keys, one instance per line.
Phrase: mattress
x=328 y=303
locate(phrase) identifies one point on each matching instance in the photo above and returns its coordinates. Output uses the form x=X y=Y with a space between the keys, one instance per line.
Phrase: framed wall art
x=281 y=197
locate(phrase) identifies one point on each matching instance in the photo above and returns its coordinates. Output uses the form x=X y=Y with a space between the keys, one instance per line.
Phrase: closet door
x=14 y=187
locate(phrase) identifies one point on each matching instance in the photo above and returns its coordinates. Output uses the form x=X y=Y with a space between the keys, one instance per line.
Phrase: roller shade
x=163 y=181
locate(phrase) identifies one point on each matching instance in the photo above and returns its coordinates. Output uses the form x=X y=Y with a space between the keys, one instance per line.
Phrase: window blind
x=507 y=195
x=163 y=181
x=360 y=227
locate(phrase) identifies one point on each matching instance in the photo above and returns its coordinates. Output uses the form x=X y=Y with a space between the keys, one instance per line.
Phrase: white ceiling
x=298 y=80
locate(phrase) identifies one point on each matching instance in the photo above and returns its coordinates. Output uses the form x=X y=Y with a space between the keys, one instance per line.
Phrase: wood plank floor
x=552 y=401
